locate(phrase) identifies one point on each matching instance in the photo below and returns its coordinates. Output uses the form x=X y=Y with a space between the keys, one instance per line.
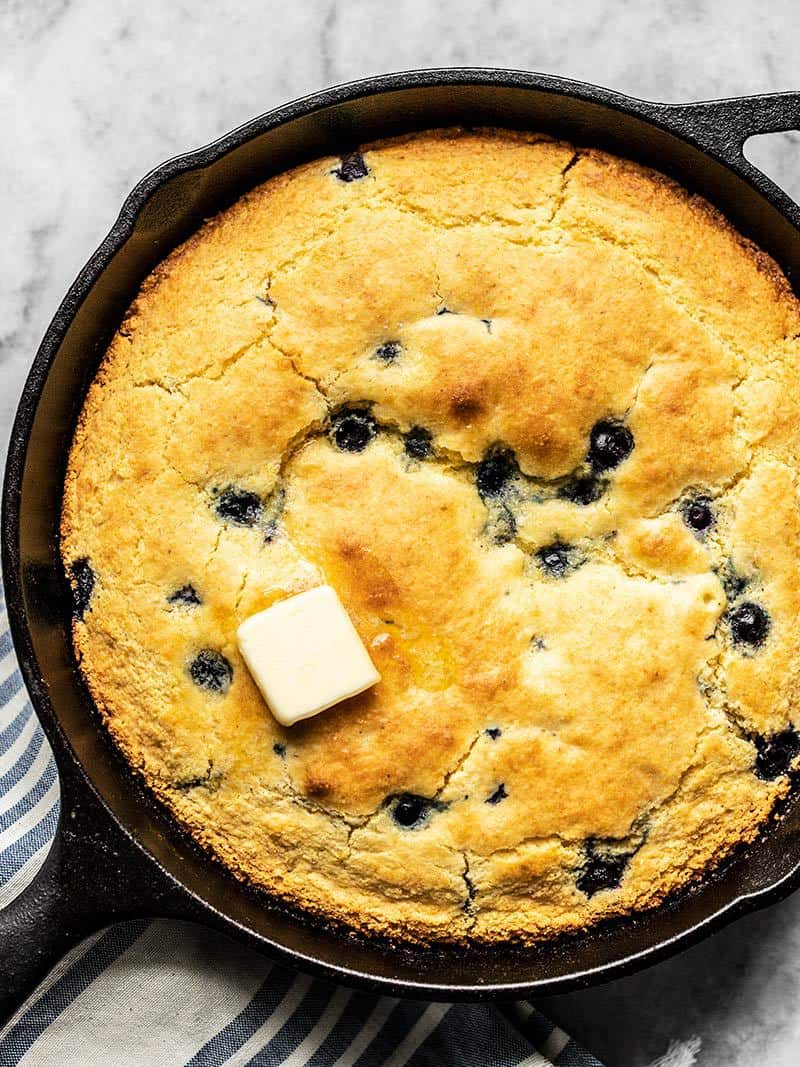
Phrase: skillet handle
x=721 y=127
x=94 y=875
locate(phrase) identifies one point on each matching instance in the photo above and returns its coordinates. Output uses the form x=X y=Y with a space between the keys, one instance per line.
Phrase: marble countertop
x=94 y=94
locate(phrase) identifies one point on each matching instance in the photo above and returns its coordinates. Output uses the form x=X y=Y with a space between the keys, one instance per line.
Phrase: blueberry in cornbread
x=602 y=870
x=749 y=624
x=186 y=596
x=238 y=506
x=497 y=794
x=352 y=168
x=81 y=577
x=495 y=473
x=776 y=754
x=584 y=490
x=699 y=514
x=555 y=559
x=353 y=430
x=211 y=670
x=409 y=810
x=389 y=351
x=611 y=443
x=418 y=443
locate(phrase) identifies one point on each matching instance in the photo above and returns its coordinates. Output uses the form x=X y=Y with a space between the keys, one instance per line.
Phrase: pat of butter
x=305 y=655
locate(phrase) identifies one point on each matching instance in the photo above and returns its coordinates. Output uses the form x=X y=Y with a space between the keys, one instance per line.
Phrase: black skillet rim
x=659 y=115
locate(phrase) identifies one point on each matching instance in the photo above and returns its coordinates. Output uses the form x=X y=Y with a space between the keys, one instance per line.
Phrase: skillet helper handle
x=94 y=875
x=722 y=127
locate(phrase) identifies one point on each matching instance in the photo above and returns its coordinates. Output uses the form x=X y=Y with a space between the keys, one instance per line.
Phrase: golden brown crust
x=584 y=721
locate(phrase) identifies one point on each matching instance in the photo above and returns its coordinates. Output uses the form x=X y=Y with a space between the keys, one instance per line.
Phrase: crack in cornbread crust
x=226 y=370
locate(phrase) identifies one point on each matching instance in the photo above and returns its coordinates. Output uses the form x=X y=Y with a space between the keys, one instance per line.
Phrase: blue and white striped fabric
x=163 y=994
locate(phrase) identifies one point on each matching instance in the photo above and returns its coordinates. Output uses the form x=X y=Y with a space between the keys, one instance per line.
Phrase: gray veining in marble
x=93 y=94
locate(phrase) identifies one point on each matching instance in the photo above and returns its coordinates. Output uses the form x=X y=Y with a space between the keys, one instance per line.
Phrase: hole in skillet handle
x=778 y=156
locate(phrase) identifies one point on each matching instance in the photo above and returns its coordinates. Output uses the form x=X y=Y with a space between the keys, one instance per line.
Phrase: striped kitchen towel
x=163 y=994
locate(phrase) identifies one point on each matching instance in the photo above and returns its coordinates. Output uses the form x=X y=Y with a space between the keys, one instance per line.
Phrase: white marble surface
x=94 y=93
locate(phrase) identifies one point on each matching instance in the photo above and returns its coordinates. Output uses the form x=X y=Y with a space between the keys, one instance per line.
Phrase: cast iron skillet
x=116 y=854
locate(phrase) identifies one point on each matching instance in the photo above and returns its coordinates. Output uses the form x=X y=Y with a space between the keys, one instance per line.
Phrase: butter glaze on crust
x=550 y=356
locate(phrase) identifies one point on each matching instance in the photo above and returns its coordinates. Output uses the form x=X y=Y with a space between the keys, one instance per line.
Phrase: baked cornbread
x=532 y=411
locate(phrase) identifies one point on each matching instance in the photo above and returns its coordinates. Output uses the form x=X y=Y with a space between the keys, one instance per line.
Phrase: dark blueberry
x=583 y=490
x=498 y=795
x=494 y=732
x=602 y=870
x=187 y=595
x=211 y=670
x=81 y=577
x=410 y=810
x=609 y=443
x=388 y=351
x=279 y=749
x=353 y=430
x=239 y=506
x=749 y=624
x=418 y=443
x=554 y=559
x=698 y=514
x=352 y=168
x=774 y=754
x=495 y=472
